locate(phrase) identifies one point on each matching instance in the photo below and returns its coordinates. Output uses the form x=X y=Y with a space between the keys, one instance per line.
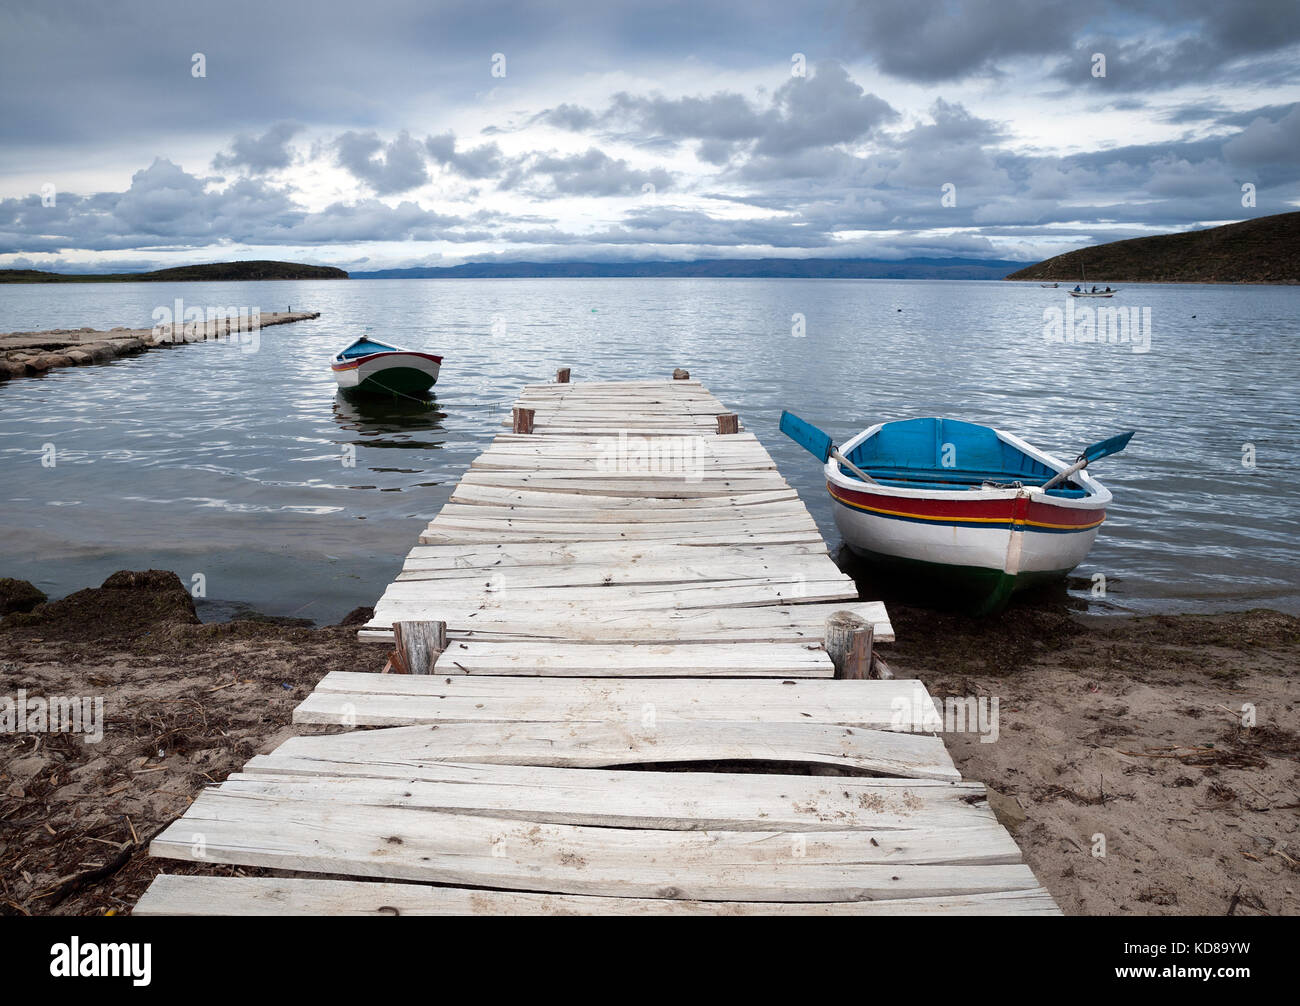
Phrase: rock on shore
x=127 y=604
x=18 y=595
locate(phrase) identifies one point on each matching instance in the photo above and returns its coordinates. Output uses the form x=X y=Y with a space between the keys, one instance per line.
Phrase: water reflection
x=389 y=420
x=198 y=459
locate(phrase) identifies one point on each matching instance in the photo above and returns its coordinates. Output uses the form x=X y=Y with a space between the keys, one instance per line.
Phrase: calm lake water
x=210 y=460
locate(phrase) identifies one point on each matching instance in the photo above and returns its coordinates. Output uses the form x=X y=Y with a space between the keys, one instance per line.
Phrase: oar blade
x=807 y=436
x=1105 y=448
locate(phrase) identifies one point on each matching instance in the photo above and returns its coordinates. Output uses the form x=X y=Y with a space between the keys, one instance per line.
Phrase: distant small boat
x=376 y=367
x=973 y=513
x=1078 y=291
x=1049 y=286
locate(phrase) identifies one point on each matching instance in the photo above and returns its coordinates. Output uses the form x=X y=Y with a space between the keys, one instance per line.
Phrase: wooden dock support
x=849 y=639
x=728 y=422
x=417 y=646
x=523 y=420
x=681 y=375
x=562 y=376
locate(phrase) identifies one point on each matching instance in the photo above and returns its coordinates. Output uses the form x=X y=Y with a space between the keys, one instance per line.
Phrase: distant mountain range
x=1263 y=250
x=215 y=271
x=765 y=268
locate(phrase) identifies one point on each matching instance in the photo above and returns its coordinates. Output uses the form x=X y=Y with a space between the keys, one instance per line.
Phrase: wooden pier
x=621 y=702
x=29 y=354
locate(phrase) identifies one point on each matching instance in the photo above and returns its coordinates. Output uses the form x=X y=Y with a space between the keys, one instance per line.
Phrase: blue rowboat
x=973 y=512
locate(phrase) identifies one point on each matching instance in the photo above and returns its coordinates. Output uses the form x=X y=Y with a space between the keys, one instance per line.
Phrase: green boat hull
x=975 y=590
x=397 y=381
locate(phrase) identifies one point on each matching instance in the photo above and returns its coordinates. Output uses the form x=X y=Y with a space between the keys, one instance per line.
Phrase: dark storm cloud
x=724 y=116
x=375 y=87
x=821 y=110
x=1266 y=150
x=485 y=161
x=671 y=226
x=73 y=71
x=899 y=183
x=593 y=173
x=567 y=116
x=1200 y=111
x=260 y=154
x=1149 y=44
x=1270 y=112
x=388 y=169
x=937 y=40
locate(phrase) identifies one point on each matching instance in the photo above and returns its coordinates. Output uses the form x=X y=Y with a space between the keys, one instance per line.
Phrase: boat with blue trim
x=975 y=512
x=376 y=367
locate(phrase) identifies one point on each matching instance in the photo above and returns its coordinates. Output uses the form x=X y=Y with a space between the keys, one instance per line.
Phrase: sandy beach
x=1115 y=726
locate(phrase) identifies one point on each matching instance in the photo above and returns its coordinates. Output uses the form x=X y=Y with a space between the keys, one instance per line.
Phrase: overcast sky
x=398 y=132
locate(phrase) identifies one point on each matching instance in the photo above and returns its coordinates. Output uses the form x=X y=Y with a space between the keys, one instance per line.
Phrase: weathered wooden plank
x=649 y=534
x=798 y=623
x=489 y=495
x=584 y=483
x=591 y=743
x=423 y=845
x=386 y=699
x=598 y=574
x=703 y=660
x=822 y=701
x=174 y=895
x=711 y=441
x=684 y=463
x=498 y=594
x=503 y=520
x=485 y=557
x=670 y=801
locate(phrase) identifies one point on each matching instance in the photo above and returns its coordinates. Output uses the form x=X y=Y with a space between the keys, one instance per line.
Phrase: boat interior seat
x=960 y=480
x=934 y=453
x=364 y=347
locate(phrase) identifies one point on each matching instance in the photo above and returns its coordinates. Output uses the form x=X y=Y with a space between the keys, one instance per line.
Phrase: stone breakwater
x=28 y=354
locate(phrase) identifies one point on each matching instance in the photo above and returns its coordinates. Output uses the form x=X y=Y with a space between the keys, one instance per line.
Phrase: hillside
x=1264 y=250
x=214 y=271
x=768 y=268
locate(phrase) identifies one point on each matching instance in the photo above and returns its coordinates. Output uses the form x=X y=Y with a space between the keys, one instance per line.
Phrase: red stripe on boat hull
x=994 y=511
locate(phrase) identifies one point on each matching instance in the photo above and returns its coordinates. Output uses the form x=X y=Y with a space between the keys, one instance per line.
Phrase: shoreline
x=1062 y=284
x=33 y=354
x=1108 y=725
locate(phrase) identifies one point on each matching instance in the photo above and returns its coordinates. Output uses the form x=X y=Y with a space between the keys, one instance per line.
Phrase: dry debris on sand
x=185 y=704
x=1124 y=727
x=1131 y=729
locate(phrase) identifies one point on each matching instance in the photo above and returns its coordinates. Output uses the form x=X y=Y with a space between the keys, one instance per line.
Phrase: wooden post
x=562 y=376
x=728 y=422
x=681 y=375
x=418 y=645
x=848 y=642
x=523 y=420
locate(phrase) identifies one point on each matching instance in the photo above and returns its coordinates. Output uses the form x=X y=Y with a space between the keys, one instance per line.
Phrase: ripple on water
x=249 y=467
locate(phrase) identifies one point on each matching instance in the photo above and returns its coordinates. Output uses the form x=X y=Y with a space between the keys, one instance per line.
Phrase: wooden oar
x=1094 y=452
x=818 y=443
